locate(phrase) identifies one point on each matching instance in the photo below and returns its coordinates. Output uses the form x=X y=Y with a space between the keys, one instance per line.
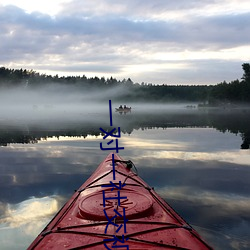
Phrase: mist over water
x=60 y=102
x=30 y=114
x=192 y=156
x=49 y=103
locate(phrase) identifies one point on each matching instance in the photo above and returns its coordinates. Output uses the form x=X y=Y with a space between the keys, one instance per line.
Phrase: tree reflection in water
x=233 y=121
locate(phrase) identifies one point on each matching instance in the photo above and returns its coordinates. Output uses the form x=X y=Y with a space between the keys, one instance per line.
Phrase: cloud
x=225 y=31
x=92 y=37
x=141 y=10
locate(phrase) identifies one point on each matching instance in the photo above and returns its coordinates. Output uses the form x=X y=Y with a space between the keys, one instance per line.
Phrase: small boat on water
x=116 y=209
x=123 y=109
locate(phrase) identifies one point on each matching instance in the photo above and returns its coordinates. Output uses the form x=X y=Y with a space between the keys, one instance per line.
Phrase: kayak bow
x=127 y=215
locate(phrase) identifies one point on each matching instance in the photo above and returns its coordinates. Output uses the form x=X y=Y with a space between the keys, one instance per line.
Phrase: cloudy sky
x=157 y=41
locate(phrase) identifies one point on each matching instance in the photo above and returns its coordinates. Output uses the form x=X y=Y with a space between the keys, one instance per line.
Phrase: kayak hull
x=145 y=220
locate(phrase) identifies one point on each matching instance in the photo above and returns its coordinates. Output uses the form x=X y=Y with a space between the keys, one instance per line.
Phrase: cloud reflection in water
x=25 y=220
x=198 y=171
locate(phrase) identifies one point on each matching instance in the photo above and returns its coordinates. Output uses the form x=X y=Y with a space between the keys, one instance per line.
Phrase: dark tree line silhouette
x=236 y=91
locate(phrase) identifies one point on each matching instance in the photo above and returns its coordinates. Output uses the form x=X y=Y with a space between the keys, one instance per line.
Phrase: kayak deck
x=129 y=215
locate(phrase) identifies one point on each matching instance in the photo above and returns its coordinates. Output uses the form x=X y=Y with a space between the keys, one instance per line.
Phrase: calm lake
x=198 y=160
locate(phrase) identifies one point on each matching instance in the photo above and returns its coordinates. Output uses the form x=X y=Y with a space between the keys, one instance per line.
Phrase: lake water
x=197 y=160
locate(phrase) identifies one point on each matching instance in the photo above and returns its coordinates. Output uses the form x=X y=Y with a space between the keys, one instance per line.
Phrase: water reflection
x=84 y=124
x=33 y=209
x=197 y=168
x=20 y=222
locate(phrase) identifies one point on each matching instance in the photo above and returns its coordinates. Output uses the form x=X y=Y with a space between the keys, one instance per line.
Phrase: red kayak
x=116 y=209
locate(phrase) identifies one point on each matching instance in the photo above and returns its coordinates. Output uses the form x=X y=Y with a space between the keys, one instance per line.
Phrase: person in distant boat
x=125 y=106
x=120 y=107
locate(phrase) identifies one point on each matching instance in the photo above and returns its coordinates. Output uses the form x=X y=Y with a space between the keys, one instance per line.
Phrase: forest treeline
x=236 y=91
